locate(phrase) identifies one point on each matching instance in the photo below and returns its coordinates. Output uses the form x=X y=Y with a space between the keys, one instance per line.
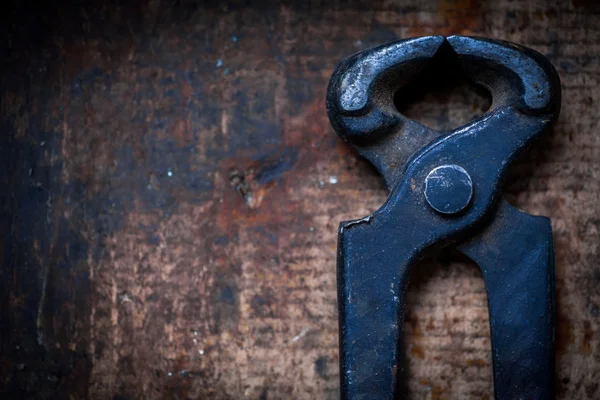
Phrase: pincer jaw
x=360 y=96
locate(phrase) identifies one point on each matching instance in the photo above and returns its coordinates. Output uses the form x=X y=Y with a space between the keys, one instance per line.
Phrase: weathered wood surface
x=172 y=191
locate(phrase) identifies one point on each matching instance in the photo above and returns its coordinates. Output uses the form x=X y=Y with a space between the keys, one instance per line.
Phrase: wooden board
x=172 y=191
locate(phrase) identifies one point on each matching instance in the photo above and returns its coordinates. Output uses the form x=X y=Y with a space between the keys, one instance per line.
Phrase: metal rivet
x=448 y=189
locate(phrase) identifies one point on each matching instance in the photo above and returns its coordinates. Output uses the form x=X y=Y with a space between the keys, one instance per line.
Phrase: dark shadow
x=441 y=97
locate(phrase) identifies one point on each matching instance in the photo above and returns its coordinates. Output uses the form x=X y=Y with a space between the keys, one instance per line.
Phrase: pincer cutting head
x=444 y=191
x=360 y=97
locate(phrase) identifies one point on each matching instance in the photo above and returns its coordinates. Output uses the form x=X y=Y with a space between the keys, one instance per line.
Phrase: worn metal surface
x=376 y=254
x=169 y=228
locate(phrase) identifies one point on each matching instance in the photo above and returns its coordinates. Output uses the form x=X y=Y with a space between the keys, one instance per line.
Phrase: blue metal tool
x=445 y=192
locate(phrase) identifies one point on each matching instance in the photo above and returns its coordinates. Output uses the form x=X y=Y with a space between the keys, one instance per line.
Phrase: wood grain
x=173 y=190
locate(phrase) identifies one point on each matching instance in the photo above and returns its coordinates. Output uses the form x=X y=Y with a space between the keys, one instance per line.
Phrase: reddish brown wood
x=174 y=190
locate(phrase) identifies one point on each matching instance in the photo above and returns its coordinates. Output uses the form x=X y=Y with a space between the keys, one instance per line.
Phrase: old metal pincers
x=445 y=192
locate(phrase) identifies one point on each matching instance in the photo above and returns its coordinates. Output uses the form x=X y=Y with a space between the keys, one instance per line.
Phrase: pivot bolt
x=448 y=189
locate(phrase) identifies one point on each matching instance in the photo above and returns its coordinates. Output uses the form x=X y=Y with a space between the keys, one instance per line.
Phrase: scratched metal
x=375 y=254
x=173 y=192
